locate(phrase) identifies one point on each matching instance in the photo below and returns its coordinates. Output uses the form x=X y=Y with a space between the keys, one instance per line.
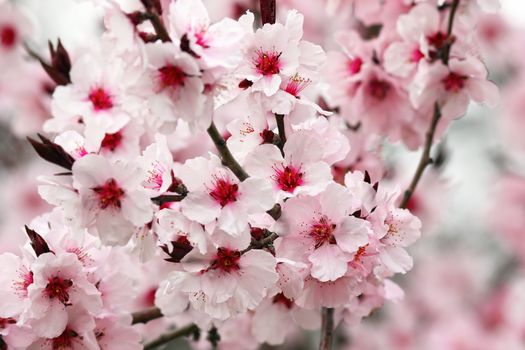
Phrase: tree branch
x=144 y=316
x=159 y=27
x=327 y=328
x=268 y=11
x=169 y=336
x=450 y=40
x=279 y=118
x=224 y=152
x=425 y=157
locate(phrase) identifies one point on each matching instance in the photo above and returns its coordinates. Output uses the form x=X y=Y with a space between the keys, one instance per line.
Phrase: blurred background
x=467 y=288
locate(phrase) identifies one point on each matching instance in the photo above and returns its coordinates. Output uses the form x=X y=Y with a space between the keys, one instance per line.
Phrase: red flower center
x=454 y=82
x=416 y=55
x=226 y=260
x=281 y=299
x=24 y=281
x=8 y=36
x=354 y=66
x=172 y=76
x=4 y=322
x=224 y=191
x=437 y=40
x=58 y=288
x=360 y=253
x=296 y=84
x=288 y=177
x=65 y=340
x=266 y=135
x=100 y=99
x=322 y=232
x=109 y=194
x=267 y=63
x=378 y=89
x=112 y=141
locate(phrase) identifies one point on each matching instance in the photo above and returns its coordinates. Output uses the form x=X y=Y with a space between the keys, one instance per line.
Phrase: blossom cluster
x=239 y=162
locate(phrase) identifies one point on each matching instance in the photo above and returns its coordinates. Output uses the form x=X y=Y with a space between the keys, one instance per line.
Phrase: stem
x=267 y=11
x=157 y=24
x=226 y=156
x=279 y=118
x=144 y=316
x=425 y=157
x=167 y=337
x=448 y=45
x=327 y=328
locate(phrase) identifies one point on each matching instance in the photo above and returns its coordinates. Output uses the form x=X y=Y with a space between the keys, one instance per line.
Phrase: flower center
x=267 y=63
x=112 y=141
x=155 y=176
x=58 y=288
x=226 y=260
x=354 y=66
x=267 y=136
x=24 y=281
x=296 y=84
x=172 y=76
x=100 y=99
x=109 y=194
x=416 y=55
x=4 y=322
x=8 y=36
x=201 y=38
x=454 y=82
x=360 y=253
x=378 y=89
x=322 y=232
x=288 y=177
x=437 y=40
x=65 y=340
x=224 y=191
x=281 y=299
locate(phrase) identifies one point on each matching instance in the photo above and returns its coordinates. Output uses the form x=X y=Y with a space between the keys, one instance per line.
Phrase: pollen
x=267 y=62
x=109 y=194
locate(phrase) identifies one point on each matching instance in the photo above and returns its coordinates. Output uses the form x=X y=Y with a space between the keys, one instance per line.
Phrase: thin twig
x=144 y=316
x=226 y=156
x=450 y=40
x=268 y=11
x=279 y=118
x=159 y=27
x=167 y=337
x=425 y=157
x=327 y=329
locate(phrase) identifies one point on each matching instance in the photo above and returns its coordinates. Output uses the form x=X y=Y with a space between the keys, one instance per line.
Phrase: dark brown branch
x=450 y=39
x=144 y=316
x=425 y=157
x=279 y=118
x=268 y=11
x=159 y=27
x=225 y=154
x=169 y=336
x=327 y=329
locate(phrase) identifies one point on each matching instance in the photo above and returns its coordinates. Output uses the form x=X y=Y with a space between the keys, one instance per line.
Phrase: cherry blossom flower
x=325 y=229
x=215 y=45
x=58 y=284
x=111 y=202
x=453 y=87
x=225 y=282
x=301 y=170
x=215 y=195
